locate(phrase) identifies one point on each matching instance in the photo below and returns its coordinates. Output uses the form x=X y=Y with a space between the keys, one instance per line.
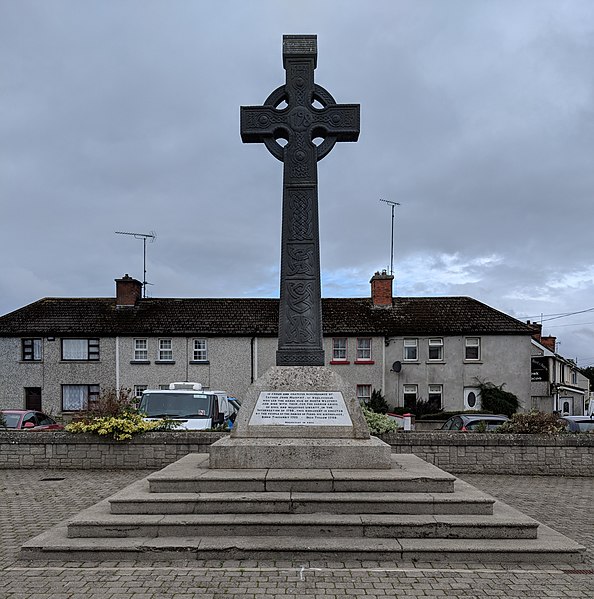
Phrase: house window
x=473 y=348
x=31 y=350
x=138 y=389
x=411 y=349
x=339 y=349
x=410 y=396
x=165 y=350
x=364 y=393
x=80 y=349
x=199 y=350
x=78 y=397
x=140 y=350
x=364 y=349
x=434 y=397
x=574 y=377
x=436 y=349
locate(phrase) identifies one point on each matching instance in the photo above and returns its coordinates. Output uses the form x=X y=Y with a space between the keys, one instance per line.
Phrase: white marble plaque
x=300 y=408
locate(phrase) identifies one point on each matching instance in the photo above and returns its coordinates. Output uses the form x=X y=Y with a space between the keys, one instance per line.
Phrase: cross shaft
x=298 y=124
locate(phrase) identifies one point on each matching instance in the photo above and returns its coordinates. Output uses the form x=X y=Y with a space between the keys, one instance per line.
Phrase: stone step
x=549 y=547
x=409 y=474
x=137 y=499
x=98 y=522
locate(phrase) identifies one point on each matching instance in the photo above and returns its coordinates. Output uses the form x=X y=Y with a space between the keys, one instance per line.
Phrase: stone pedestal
x=300 y=417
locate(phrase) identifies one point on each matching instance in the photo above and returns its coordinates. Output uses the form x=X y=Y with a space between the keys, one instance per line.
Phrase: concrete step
x=409 y=474
x=505 y=523
x=550 y=548
x=137 y=499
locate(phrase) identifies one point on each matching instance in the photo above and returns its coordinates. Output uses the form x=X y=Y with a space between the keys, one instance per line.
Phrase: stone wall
x=562 y=455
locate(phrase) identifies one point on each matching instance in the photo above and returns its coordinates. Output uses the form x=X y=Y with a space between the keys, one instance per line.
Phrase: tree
x=589 y=372
x=496 y=400
x=377 y=402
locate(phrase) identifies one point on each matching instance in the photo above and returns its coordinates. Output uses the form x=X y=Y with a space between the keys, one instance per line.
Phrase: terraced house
x=57 y=354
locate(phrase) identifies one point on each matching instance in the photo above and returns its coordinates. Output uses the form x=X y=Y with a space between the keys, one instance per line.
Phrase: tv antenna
x=144 y=236
x=392 y=205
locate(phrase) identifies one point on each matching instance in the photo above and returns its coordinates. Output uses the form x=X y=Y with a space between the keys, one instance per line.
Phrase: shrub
x=2 y=420
x=378 y=423
x=378 y=403
x=535 y=423
x=494 y=399
x=119 y=427
x=115 y=414
x=111 y=402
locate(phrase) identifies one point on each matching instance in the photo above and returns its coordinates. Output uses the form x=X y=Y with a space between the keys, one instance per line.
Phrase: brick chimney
x=381 y=289
x=549 y=342
x=128 y=291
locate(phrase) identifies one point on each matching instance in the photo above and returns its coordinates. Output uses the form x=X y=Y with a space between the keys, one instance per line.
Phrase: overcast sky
x=476 y=115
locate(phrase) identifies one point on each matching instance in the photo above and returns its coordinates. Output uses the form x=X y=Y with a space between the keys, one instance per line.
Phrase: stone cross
x=300 y=112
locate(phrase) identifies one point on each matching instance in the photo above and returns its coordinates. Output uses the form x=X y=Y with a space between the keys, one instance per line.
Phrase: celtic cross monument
x=299 y=122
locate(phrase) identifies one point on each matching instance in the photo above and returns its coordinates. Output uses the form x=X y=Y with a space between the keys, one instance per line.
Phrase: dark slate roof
x=412 y=316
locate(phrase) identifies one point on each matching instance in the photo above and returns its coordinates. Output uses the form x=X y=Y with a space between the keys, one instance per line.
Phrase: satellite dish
x=397 y=367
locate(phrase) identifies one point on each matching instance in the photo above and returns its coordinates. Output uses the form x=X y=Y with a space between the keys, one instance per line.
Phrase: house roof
x=412 y=316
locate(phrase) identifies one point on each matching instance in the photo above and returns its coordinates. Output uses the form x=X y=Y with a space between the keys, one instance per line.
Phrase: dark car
x=473 y=422
x=29 y=420
x=579 y=424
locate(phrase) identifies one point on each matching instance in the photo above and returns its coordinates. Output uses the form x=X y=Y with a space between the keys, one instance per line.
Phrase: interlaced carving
x=300 y=321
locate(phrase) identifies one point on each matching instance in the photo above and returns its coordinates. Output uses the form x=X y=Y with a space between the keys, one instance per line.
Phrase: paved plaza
x=32 y=501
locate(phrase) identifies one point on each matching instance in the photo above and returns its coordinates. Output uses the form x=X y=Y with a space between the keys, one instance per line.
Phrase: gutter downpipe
x=117 y=360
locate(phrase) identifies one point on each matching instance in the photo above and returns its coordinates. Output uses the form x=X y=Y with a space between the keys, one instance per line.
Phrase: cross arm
x=341 y=121
x=260 y=122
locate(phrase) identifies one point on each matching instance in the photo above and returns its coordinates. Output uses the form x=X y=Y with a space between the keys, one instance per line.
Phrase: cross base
x=291 y=357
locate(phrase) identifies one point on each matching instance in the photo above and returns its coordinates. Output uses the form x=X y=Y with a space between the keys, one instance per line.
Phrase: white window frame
x=436 y=344
x=141 y=350
x=470 y=343
x=409 y=390
x=87 y=350
x=363 y=350
x=339 y=353
x=199 y=350
x=138 y=389
x=435 y=390
x=364 y=393
x=410 y=349
x=165 y=352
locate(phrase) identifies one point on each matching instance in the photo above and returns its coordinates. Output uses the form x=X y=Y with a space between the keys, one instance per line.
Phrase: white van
x=188 y=404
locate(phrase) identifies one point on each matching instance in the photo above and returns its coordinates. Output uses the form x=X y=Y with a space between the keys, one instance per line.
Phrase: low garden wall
x=562 y=455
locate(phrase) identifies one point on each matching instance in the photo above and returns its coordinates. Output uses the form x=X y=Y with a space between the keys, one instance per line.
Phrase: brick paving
x=29 y=505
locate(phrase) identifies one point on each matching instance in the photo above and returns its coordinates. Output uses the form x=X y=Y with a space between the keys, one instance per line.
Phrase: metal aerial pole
x=392 y=206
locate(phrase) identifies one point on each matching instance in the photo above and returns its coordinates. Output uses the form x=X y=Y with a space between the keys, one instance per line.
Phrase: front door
x=566 y=406
x=33 y=398
x=472 y=398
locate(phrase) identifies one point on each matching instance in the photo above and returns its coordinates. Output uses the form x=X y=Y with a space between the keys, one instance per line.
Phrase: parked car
x=472 y=422
x=579 y=424
x=29 y=420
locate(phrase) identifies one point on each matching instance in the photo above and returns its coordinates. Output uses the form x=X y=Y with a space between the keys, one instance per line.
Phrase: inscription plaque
x=300 y=408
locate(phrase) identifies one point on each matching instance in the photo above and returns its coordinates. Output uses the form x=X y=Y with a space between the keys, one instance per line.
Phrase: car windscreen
x=175 y=405
x=586 y=426
x=12 y=420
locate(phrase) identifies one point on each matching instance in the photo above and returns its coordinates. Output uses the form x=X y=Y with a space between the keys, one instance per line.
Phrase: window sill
x=472 y=361
x=411 y=362
x=199 y=361
x=140 y=361
x=335 y=362
x=435 y=362
x=364 y=361
x=30 y=361
x=79 y=361
x=164 y=361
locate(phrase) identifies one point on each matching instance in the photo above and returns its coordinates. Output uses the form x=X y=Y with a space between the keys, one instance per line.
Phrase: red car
x=28 y=420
